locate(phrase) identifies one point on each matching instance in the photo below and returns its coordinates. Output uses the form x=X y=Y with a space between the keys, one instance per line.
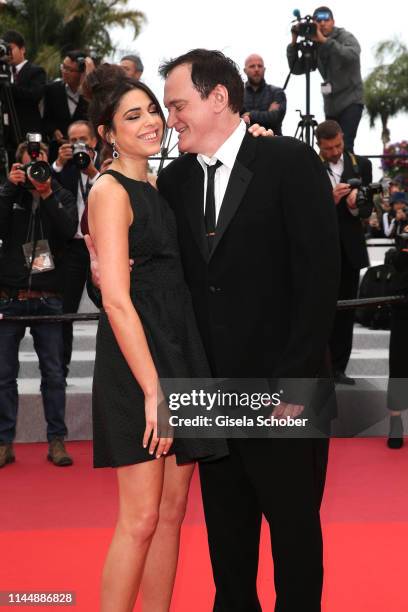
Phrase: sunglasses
x=322 y=17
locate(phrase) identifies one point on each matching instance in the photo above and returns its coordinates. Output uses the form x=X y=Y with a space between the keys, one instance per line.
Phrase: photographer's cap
x=323 y=13
x=399 y=196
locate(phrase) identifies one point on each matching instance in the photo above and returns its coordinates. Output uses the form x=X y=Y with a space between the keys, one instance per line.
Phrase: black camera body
x=5 y=51
x=36 y=169
x=80 y=155
x=81 y=63
x=365 y=193
x=305 y=26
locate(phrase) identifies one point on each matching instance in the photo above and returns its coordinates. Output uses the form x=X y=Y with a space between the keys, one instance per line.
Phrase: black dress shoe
x=341 y=379
x=6 y=454
x=395 y=437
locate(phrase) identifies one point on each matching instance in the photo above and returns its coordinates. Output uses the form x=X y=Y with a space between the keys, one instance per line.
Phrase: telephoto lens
x=80 y=155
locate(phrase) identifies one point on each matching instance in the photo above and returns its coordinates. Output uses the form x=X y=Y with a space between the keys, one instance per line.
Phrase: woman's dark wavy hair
x=209 y=69
x=104 y=88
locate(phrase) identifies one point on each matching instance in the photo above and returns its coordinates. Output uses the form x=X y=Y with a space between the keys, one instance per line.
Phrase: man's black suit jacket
x=350 y=228
x=56 y=110
x=265 y=299
x=27 y=93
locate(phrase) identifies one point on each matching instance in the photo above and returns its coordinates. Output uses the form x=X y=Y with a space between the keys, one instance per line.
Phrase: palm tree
x=52 y=27
x=386 y=87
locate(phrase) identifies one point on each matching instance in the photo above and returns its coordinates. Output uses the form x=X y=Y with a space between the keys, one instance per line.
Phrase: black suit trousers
x=282 y=479
x=341 y=339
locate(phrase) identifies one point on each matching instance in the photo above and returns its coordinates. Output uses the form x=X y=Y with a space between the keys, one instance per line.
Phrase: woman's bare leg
x=140 y=489
x=161 y=564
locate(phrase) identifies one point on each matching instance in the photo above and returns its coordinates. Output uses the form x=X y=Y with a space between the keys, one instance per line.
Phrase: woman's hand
x=158 y=445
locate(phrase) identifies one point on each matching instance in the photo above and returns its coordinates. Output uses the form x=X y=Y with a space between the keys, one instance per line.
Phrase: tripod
x=8 y=119
x=307 y=123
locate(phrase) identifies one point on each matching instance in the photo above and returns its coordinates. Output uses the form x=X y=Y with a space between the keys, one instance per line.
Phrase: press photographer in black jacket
x=341 y=166
x=36 y=221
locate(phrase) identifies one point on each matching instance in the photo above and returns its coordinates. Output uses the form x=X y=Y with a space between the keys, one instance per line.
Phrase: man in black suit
x=261 y=259
x=79 y=182
x=63 y=103
x=341 y=166
x=27 y=89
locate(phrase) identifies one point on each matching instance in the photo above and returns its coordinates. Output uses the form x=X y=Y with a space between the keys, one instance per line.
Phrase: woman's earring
x=115 y=153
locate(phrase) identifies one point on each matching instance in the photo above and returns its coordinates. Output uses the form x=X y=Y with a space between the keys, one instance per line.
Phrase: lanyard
x=84 y=190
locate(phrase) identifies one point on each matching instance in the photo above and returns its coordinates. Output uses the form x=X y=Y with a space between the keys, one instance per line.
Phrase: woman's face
x=138 y=128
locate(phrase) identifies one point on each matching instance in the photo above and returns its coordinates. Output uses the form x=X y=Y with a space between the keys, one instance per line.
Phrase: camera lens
x=39 y=171
x=80 y=155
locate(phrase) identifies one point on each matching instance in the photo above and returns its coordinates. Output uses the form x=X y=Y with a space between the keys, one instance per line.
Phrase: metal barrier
x=94 y=316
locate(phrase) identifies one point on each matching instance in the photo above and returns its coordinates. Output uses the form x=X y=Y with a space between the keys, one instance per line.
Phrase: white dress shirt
x=226 y=154
x=72 y=99
x=19 y=66
x=335 y=173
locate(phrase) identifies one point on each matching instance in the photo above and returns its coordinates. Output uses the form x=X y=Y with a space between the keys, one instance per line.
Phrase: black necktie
x=209 y=213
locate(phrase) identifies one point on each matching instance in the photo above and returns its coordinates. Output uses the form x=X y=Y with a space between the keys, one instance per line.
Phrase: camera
x=36 y=169
x=365 y=192
x=5 y=50
x=81 y=63
x=305 y=26
x=80 y=155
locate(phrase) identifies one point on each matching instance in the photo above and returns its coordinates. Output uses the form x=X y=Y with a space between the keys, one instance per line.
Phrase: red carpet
x=56 y=525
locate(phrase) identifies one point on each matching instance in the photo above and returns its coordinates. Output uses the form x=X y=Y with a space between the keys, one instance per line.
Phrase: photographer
x=76 y=169
x=63 y=102
x=27 y=88
x=342 y=166
x=37 y=218
x=396 y=219
x=338 y=61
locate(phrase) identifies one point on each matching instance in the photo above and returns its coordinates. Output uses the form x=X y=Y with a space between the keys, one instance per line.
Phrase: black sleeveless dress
x=163 y=303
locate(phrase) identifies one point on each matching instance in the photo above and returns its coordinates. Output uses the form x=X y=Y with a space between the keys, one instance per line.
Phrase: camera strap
x=354 y=163
x=84 y=189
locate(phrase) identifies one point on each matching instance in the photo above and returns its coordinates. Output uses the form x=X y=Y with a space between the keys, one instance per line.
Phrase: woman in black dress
x=146 y=331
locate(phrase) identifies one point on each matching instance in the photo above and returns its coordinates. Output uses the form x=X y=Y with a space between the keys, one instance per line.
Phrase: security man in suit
x=341 y=166
x=27 y=89
x=63 y=102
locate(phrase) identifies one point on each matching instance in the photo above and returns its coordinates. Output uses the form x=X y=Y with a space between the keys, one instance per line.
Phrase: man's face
x=190 y=115
x=70 y=73
x=254 y=69
x=17 y=54
x=332 y=149
x=26 y=159
x=131 y=69
x=81 y=133
x=325 y=25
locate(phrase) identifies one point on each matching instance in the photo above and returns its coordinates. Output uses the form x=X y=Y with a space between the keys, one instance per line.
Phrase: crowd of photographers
x=44 y=260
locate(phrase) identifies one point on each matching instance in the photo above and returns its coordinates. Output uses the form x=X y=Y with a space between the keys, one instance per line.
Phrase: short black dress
x=163 y=303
